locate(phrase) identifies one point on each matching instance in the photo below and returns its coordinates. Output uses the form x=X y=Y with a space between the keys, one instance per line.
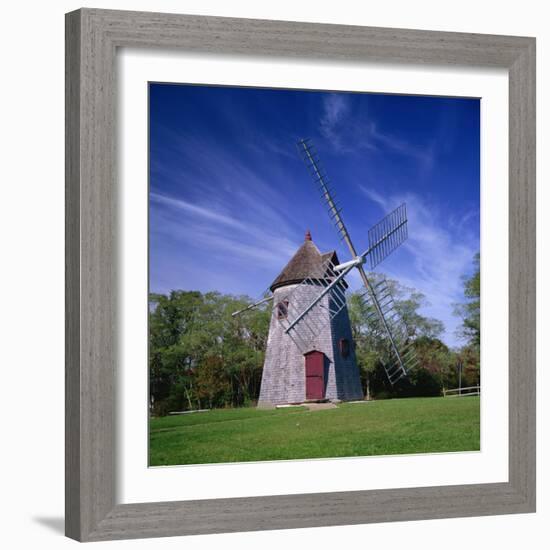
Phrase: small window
x=344 y=347
x=282 y=309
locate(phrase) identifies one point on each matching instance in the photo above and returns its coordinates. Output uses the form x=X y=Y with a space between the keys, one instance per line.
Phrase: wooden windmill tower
x=310 y=354
x=318 y=365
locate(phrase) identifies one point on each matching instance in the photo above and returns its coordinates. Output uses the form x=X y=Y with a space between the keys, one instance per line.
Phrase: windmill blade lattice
x=317 y=172
x=387 y=235
x=401 y=357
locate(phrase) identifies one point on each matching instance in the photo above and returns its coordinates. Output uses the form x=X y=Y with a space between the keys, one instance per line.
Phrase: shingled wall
x=283 y=378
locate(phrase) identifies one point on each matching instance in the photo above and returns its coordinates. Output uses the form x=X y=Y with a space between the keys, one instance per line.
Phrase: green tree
x=438 y=361
x=202 y=356
x=470 y=331
x=368 y=345
x=171 y=317
x=469 y=311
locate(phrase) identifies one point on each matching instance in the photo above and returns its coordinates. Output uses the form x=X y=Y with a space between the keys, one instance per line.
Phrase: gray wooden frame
x=92 y=38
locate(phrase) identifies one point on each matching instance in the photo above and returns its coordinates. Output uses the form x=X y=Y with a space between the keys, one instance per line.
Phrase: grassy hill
x=386 y=427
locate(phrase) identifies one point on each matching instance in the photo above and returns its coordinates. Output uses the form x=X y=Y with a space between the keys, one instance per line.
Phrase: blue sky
x=230 y=198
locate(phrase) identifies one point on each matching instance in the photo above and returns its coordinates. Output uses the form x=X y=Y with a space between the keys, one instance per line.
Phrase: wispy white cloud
x=215 y=176
x=213 y=250
x=207 y=228
x=336 y=108
x=226 y=212
x=195 y=210
x=266 y=147
x=425 y=155
x=348 y=130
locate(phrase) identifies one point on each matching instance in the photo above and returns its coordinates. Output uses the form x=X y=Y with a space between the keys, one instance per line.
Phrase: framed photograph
x=300 y=282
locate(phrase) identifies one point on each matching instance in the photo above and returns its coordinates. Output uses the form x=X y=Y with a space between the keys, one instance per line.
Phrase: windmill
x=310 y=309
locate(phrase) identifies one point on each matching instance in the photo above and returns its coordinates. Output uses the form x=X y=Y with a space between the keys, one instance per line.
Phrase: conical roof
x=307 y=262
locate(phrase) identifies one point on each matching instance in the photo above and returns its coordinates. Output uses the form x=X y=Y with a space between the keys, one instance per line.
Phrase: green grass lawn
x=394 y=426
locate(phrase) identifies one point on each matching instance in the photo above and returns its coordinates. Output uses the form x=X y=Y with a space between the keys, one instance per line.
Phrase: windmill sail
x=384 y=237
x=311 y=159
x=387 y=235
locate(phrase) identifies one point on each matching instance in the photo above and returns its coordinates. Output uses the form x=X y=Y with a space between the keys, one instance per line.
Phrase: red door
x=315 y=375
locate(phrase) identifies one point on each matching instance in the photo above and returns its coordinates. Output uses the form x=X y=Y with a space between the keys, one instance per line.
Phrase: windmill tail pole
x=251 y=306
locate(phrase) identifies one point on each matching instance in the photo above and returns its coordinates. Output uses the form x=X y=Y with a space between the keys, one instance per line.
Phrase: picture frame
x=92 y=39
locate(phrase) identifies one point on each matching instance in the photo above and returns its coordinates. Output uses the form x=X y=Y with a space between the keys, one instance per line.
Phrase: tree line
x=200 y=356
